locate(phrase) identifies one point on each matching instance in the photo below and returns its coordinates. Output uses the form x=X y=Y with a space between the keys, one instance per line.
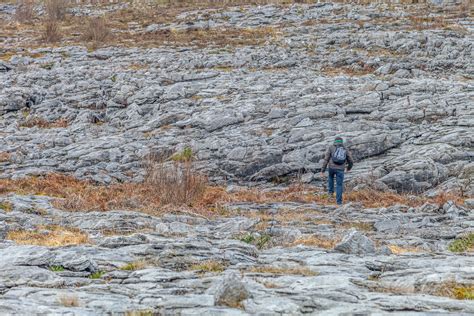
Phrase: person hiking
x=335 y=159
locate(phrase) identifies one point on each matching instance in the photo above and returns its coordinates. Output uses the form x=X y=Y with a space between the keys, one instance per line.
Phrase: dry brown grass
x=402 y=250
x=209 y=266
x=25 y=11
x=135 y=265
x=316 y=241
x=4 y=156
x=182 y=188
x=96 y=30
x=6 y=206
x=304 y=271
x=420 y=23
x=49 y=236
x=56 y=9
x=42 y=123
x=69 y=300
x=362 y=71
x=52 y=32
x=216 y=37
x=175 y=183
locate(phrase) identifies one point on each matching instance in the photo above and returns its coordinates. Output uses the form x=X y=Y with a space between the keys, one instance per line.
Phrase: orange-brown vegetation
x=25 y=11
x=277 y=270
x=4 y=156
x=402 y=250
x=316 y=241
x=192 y=191
x=96 y=30
x=50 y=236
x=42 y=123
x=56 y=9
x=52 y=32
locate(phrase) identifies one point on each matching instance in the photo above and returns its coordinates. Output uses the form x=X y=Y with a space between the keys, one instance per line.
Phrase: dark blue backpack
x=339 y=155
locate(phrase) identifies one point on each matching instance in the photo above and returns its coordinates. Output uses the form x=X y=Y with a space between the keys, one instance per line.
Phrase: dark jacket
x=329 y=163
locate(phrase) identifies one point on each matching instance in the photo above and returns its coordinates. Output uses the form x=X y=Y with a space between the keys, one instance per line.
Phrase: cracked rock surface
x=399 y=91
x=210 y=266
x=401 y=96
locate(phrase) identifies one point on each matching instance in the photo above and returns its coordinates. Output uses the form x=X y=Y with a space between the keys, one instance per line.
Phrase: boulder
x=356 y=243
x=231 y=291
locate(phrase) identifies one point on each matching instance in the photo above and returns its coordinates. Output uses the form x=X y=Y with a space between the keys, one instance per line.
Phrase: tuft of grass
x=262 y=241
x=316 y=241
x=304 y=271
x=56 y=268
x=363 y=226
x=25 y=11
x=49 y=236
x=452 y=289
x=56 y=9
x=185 y=156
x=176 y=183
x=96 y=30
x=42 y=123
x=462 y=244
x=247 y=238
x=6 y=206
x=402 y=250
x=209 y=266
x=69 y=300
x=135 y=265
x=464 y=292
x=144 y=312
x=52 y=32
x=96 y=275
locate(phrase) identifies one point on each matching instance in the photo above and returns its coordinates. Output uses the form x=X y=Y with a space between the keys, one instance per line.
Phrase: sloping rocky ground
x=397 y=88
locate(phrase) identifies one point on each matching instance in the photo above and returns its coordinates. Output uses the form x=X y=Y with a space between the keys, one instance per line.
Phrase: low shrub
x=56 y=9
x=52 y=32
x=24 y=11
x=462 y=244
x=96 y=30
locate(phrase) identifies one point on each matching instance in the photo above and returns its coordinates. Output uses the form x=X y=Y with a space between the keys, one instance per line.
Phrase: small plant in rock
x=184 y=156
x=464 y=292
x=144 y=312
x=56 y=268
x=316 y=241
x=135 y=265
x=262 y=241
x=6 y=206
x=69 y=300
x=209 y=266
x=96 y=275
x=462 y=244
x=247 y=238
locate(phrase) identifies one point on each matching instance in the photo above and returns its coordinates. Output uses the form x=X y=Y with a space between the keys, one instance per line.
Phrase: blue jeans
x=339 y=183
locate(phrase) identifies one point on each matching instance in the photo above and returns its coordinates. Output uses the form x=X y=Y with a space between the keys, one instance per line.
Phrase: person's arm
x=350 y=161
x=327 y=156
